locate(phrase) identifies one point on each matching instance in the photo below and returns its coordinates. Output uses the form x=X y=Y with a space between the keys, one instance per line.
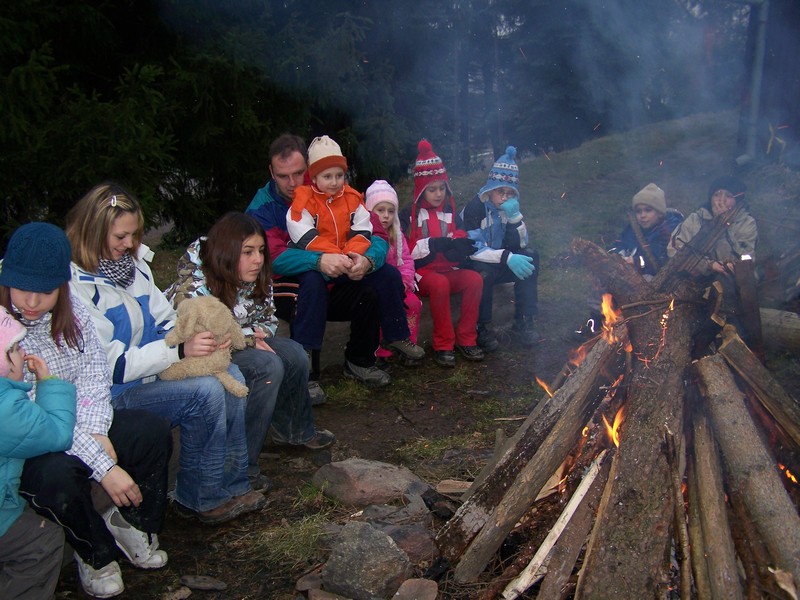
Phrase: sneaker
x=100 y=583
x=371 y=377
x=405 y=348
x=473 y=353
x=251 y=501
x=524 y=331
x=486 y=339
x=138 y=547
x=260 y=483
x=445 y=358
x=322 y=439
x=316 y=393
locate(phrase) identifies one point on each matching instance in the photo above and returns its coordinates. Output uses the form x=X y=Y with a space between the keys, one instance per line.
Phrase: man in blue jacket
x=329 y=288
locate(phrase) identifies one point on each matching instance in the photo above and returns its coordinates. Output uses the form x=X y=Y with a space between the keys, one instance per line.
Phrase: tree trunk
x=781 y=329
x=752 y=474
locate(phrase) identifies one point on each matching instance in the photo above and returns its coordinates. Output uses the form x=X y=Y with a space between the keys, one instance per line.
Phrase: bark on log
x=751 y=470
x=748 y=301
x=720 y=558
x=496 y=520
x=781 y=329
x=702 y=583
x=629 y=558
x=784 y=409
x=478 y=509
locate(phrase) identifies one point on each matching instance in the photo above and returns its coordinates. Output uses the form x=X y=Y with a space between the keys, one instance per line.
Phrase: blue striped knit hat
x=504 y=173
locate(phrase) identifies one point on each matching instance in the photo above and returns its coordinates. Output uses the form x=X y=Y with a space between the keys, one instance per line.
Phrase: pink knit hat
x=382 y=191
x=11 y=331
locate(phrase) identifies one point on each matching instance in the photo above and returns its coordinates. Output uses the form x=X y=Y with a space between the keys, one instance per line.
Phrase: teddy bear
x=206 y=313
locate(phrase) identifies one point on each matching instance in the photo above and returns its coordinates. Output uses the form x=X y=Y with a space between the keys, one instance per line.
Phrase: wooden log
x=720 y=558
x=498 y=519
x=744 y=273
x=566 y=552
x=679 y=522
x=784 y=409
x=751 y=469
x=491 y=487
x=702 y=582
x=780 y=329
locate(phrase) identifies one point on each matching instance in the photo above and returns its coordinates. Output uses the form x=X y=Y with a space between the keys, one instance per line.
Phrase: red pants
x=439 y=287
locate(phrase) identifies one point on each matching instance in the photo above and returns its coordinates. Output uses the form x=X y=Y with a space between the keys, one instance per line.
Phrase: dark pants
x=31 y=551
x=371 y=305
x=526 y=294
x=56 y=485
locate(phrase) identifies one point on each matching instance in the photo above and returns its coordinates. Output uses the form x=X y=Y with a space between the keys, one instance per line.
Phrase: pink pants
x=413 y=309
x=439 y=287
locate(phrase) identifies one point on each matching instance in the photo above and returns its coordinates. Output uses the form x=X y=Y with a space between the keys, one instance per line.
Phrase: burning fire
x=610 y=316
x=613 y=430
x=545 y=387
x=787 y=472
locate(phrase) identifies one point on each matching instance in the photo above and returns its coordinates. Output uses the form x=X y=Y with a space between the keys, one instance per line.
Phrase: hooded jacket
x=493 y=233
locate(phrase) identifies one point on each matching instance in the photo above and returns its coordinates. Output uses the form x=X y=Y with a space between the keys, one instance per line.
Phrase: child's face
x=120 y=234
x=435 y=194
x=647 y=216
x=499 y=195
x=330 y=181
x=386 y=212
x=16 y=362
x=33 y=305
x=251 y=258
x=722 y=201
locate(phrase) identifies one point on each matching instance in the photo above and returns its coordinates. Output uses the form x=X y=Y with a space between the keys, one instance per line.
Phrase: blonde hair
x=90 y=220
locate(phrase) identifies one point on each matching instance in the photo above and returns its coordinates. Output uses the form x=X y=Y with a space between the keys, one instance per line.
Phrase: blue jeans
x=278 y=395
x=213 y=456
x=526 y=294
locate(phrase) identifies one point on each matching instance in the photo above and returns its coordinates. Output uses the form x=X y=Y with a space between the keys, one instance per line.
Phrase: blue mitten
x=511 y=208
x=521 y=266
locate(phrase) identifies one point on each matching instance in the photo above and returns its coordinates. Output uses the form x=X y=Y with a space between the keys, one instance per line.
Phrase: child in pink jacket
x=382 y=200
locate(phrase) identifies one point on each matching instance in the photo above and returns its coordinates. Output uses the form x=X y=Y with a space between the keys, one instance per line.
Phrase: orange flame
x=610 y=316
x=613 y=430
x=788 y=473
x=545 y=387
x=576 y=355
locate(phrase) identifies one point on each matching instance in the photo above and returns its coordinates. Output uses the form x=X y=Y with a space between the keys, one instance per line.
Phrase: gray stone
x=365 y=564
x=415 y=540
x=413 y=511
x=417 y=589
x=360 y=482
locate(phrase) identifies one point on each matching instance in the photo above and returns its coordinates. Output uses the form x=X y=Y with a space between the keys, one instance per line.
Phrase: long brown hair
x=90 y=220
x=63 y=326
x=220 y=253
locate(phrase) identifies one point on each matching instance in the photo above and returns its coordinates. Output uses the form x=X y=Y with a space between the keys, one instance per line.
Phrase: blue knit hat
x=504 y=173
x=37 y=259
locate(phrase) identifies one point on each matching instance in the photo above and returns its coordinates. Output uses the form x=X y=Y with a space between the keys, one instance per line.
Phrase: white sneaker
x=139 y=548
x=100 y=583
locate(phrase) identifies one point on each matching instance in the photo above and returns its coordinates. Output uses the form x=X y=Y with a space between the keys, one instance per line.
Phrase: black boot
x=524 y=331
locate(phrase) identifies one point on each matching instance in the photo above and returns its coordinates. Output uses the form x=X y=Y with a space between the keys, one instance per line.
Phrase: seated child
x=438 y=248
x=31 y=547
x=493 y=219
x=643 y=243
x=381 y=199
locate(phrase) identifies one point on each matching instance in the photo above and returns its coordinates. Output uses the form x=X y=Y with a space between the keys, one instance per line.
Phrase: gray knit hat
x=653 y=196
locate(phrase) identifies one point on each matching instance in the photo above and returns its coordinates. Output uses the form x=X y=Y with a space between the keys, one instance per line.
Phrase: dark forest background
x=179 y=100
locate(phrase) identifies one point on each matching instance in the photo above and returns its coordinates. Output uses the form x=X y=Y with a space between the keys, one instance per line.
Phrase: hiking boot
x=405 y=348
x=316 y=393
x=260 y=483
x=251 y=501
x=473 y=353
x=486 y=339
x=140 y=548
x=100 y=583
x=372 y=377
x=226 y=511
x=445 y=358
x=524 y=332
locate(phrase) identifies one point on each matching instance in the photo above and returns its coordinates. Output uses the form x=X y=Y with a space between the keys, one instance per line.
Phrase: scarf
x=122 y=271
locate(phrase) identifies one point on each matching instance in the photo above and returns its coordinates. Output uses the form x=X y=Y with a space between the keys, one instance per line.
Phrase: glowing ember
x=585 y=431
x=610 y=316
x=788 y=473
x=545 y=387
x=613 y=430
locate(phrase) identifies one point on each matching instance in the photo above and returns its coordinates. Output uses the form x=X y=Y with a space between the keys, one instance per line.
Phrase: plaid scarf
x=122 y=271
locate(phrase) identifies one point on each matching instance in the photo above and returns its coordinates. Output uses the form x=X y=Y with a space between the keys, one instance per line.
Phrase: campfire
x=673 y=484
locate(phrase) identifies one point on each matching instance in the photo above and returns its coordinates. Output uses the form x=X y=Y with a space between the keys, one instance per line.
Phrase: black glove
x=439 y=244
x=459 y=250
